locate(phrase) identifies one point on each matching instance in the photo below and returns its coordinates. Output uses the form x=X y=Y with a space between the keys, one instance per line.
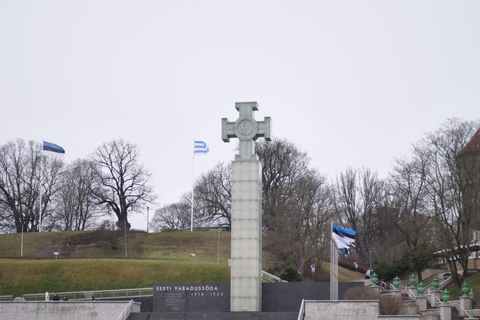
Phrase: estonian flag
x=344 y=238
x=51 y=149
x=200 y=147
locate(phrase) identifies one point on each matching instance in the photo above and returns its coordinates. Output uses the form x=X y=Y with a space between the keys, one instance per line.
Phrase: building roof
x=472 y=145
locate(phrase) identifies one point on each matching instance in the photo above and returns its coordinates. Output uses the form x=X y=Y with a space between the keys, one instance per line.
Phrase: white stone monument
x=246 y=234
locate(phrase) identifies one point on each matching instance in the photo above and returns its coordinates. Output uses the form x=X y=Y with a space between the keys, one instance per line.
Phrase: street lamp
x=148 y=208
x=125 y=228
x=218 y=245
x=471 y=303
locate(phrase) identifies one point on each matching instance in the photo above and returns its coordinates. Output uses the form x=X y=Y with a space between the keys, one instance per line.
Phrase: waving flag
x=51 y=149
x=344 y=238
x=200 y=147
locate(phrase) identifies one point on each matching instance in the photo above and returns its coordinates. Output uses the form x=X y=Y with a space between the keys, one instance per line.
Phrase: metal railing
x=271 y=278
x=412 y=294
x=301 y=312
x=126 y=312
x=6 y=297
x=466 y=312
x=96 y=294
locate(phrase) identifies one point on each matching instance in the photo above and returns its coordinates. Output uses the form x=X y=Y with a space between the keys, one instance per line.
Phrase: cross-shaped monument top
x=246 y=129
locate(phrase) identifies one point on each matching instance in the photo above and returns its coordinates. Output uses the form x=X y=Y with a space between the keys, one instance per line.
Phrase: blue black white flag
x=51 y=149
x=344 y=238
x=200 y=147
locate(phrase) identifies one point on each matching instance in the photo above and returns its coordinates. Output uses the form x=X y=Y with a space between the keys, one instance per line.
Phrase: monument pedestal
x=246 y=236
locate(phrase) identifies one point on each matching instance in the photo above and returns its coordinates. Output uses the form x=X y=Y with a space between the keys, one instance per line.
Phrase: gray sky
x=352 y=83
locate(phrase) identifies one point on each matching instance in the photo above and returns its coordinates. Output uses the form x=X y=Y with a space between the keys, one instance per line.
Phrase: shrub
x=388 y=305
x=290 y=274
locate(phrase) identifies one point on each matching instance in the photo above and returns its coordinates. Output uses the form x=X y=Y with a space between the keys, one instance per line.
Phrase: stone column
x=434 y=297
x=445 y=312
x=422 y=303
x=246 y=237
x=412 y=293
x=465 y=303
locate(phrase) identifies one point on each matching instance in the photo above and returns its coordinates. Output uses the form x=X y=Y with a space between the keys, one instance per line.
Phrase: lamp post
x=21 y=247
x=125 y=227
x=148 y=209
x=471 y=303
x=218 y=245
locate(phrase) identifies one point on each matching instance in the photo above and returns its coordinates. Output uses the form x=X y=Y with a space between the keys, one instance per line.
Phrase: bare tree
x=448 y=193
x=121 y=182
x=213 y=195
x=282 y=165
x=172 y=216
x=412 y=217
x=358 y=194
x=24 y=175
x=76 y=207
x=308 y=219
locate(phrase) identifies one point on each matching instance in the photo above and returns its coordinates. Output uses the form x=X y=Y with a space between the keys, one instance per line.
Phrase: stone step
x=213 y=316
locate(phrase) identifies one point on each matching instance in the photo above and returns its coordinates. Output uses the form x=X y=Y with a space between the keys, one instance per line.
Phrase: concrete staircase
x=213 y=316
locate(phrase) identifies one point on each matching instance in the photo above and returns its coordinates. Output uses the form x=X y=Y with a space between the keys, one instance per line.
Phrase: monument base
x=246 y=236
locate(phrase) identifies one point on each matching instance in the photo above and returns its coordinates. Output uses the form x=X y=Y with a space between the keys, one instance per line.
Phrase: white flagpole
x=333 y=266
x=193 y=183
x=331 y=263
x=40 y=191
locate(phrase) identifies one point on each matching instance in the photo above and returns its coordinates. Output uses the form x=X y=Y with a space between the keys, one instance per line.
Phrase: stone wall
x=61 y=310
x=351 y=310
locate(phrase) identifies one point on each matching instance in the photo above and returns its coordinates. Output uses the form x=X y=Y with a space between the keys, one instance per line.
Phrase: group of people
x=55 y=297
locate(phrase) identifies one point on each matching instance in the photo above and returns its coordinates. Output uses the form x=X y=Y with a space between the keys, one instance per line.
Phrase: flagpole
x=193 y=183
x=40 y=191
x=21 y=247
x=333 y=266
x=331 y=261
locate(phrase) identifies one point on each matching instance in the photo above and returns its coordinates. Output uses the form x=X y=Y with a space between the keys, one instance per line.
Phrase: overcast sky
x=352 y=83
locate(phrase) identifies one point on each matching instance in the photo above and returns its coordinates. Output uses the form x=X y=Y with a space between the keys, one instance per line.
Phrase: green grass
x=111 y=244
x=95 y=260
x=35 y=276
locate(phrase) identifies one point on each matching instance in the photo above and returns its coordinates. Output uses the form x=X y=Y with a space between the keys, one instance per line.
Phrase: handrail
x=271 y=276
x=126 y=312
x=96 y=294
x=6 y=297
x=468 y=314
x=413 y=294
x=301 y=312
x=436 y=297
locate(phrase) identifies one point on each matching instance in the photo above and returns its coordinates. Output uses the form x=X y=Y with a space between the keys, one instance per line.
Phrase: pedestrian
x=47 y=296
x=383 y=285
x=56 y=297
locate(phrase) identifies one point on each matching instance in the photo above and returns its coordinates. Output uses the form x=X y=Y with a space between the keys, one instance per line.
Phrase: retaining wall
x=61 y=310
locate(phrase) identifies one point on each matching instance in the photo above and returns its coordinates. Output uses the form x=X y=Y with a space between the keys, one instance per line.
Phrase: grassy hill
x=95 y=260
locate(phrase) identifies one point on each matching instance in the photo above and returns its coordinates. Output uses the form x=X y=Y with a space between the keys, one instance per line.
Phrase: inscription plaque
x=191 y=297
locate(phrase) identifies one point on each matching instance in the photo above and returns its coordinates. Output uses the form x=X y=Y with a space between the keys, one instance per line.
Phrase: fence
x=97 y=294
